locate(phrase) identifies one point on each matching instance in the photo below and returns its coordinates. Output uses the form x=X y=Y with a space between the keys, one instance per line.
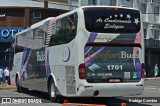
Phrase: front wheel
x=52 y=91
x=19 y=88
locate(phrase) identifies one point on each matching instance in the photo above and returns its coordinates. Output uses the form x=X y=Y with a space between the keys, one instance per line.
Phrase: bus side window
x=20 y=43
x=38 y=38
x=66 y=29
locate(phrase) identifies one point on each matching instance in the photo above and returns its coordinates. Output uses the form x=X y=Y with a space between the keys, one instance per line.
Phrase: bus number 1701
x=114 y=67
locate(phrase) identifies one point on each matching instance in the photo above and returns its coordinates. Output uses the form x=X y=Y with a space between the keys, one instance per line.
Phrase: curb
x=152 y=78
x=79 y=104
x=7 y=87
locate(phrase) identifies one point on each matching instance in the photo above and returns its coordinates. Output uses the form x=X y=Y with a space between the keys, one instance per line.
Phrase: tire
x=19 y=88
x=52 y=91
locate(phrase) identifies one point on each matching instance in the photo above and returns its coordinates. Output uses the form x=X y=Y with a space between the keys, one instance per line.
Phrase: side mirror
x=9 y=50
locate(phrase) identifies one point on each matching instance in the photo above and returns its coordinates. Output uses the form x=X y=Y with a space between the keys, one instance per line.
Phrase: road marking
x=151 y=87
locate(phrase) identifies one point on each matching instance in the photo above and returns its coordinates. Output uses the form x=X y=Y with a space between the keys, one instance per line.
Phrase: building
x=151 y=22
x=17 y=15
x=30 y=12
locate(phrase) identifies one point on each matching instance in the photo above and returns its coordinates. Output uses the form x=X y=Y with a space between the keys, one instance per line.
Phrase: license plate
x=114 y=80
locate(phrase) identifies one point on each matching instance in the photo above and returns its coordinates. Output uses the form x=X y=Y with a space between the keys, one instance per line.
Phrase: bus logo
x=94 y=67
x=40 y=56
x=66 y=54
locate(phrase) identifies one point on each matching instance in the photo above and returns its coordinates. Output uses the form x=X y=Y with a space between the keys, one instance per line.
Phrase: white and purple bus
x=92 y=51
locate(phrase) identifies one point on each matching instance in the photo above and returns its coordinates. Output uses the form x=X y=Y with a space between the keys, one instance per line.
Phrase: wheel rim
x=52 y=90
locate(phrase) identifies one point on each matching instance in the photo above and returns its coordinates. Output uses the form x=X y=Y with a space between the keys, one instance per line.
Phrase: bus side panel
x=17 y=66
x=23 y=72
x=61 y=62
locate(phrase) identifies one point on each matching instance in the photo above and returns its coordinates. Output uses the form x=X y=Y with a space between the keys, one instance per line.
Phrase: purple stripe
x=138 y=67
x=91 y=38
x=90 y=60
x=23 y=57
x=48 y=70
x=23 y=70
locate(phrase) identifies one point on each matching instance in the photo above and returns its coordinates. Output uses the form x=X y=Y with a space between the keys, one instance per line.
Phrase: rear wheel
x=52 y=91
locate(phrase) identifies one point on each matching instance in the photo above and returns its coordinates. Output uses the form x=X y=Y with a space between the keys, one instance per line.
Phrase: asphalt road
x=152 y=91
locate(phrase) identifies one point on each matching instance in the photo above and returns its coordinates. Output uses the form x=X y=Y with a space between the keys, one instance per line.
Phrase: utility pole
x=79 y=3
x=45 y=4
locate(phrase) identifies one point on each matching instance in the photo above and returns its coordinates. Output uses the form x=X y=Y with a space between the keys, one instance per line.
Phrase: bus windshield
x=113 y=62
x=112 y=20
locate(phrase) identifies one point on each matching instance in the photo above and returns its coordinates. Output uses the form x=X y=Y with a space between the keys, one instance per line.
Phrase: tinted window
x=32 y=39
x=64 y=30
x=38 y=38
x=21 y=42
x=112 y=20
x=113 y=62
